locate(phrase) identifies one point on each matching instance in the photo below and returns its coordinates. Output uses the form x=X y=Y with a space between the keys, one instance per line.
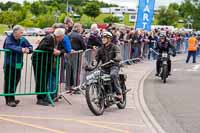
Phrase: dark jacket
x=135 y=41
x=165 y=47
x=152 y=41
x=94 y=40
x=48 y=43
x=77 y=41
x=16 y=54
x=111 y=52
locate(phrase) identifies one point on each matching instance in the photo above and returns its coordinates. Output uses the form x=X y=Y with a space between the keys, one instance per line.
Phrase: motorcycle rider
x=110 y=52
x=164 y=45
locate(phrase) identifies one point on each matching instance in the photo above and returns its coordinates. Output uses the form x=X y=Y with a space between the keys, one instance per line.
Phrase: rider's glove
x=88 y=68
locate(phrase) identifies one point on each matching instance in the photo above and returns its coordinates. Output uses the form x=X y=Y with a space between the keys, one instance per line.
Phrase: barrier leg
x=50 y=99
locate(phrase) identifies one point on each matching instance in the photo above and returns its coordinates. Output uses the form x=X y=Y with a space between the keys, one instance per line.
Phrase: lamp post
x=56 y=14
x=189 y=21
x=67 y=8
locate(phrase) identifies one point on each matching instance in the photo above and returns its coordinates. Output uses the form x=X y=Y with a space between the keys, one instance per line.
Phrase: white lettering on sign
x=144 y=25
x=146 y=9
x=146 y=17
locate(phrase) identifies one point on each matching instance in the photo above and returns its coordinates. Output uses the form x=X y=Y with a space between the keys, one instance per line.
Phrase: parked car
x=48 y=30
x=34 y=32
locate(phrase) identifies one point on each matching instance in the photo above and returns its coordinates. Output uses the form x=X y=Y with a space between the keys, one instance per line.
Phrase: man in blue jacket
x=13 y=62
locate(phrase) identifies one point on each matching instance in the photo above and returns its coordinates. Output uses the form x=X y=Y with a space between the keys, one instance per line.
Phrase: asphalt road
x=28 y=117
x=175 y=105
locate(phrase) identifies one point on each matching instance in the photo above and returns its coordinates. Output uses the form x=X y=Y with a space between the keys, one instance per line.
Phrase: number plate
x=164 y=55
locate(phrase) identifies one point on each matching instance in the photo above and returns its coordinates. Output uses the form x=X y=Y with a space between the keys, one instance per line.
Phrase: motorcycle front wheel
x=95 y=99
x=165 y=72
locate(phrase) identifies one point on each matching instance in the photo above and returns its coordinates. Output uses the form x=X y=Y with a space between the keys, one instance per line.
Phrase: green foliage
x=27 y=23
x=92 y=9
x=167 y=16
x=175 y=12
x=186 y=9
x=3 y=28
x=79 y=10
x=16 y=7
x=37 y=8
x=45 y=21
x=62 y=17
x=10 y=17
x=111 y=19
x=7 y=5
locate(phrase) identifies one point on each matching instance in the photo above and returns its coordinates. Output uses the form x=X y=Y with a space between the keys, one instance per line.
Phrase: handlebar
x=169 y=53
x=107 y=63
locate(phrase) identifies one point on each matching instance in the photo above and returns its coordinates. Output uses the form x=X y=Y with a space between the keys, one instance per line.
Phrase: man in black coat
x=76 y=38
x=45 y=63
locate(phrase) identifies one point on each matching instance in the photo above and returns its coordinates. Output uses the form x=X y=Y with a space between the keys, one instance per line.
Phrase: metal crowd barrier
x=38 y=73
x=29 y=75
x=72 y=72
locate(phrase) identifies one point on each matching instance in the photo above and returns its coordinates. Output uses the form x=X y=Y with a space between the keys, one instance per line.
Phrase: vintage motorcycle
x=164 y=70
x=100 y=93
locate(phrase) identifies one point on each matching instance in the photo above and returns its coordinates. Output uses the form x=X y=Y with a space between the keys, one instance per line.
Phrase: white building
x=118 y=10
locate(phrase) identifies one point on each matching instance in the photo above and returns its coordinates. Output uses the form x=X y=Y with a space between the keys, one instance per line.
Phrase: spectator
x=12 y=68
x=68 y=25
x=135 y=41
x=47 y=62
x=77 y=40
x=78 y=44
x=152 y=41
x=192 y=48
x=95 y=40
x=52 y=85
x=66 y=41
x=186 y=37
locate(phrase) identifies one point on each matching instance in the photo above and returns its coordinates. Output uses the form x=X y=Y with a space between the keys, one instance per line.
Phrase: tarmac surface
x=175 y=105
x=28 y=117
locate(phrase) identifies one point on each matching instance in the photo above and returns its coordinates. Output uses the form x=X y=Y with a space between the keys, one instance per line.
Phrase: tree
x=186 y=9
x=92 y=9
x=167 y=16
x=45 y=20
x=190 y=8
x=37 y=8
x=16 y=7
x=174 y=6
x=10 y=17
x=79 y=10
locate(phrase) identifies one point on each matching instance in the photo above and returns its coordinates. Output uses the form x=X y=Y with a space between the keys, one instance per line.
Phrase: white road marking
x=194 y=68
x=177 y=70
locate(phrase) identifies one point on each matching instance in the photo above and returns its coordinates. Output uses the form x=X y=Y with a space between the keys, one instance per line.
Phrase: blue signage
x=145 y=14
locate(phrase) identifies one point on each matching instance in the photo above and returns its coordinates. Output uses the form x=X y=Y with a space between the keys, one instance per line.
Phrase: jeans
x=135 y=52
x=11 y=80
x=185 y=46
x=114 y=73
x=151 y=54
x=191 y=53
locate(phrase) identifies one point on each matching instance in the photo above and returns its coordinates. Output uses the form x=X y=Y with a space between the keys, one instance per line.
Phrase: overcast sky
x=129 y=3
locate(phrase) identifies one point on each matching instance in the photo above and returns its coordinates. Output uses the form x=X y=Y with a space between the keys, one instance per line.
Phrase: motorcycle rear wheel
x=122 y=104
